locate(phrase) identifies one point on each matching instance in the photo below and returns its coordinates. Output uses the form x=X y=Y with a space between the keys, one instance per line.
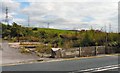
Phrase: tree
x=6 y=30
x=35 y=29
x=86 y=40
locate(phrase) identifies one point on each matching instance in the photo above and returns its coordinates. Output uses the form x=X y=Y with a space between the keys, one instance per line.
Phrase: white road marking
x=100 y=69
x=108 y=69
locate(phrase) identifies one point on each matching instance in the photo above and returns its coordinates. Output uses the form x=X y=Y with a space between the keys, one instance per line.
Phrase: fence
x=89 y=51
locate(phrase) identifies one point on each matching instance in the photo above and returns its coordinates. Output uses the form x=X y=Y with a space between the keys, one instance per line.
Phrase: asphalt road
x=69 y=65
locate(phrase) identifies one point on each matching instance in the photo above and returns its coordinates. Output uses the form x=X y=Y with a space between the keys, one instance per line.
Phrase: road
x=78 y=65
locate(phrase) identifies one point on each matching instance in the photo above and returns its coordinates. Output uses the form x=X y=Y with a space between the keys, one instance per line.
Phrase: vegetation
x=24 y=50
x=43 y=48
x=59 y=38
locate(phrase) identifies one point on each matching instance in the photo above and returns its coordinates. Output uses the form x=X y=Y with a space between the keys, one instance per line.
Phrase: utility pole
x=28 y=21
x=48 y=24
x=106 y=41
x=7 y=20
x=91 y=27
x=6 y=16
x=105 y=28
x=109 y=28
x=101 y=29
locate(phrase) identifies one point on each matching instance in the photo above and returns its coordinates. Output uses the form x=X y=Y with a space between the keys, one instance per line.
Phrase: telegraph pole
x=28 y=21
x=7 y=20
x=6 y=16
x=48 y=25
x=106 y=41
x=110 y=28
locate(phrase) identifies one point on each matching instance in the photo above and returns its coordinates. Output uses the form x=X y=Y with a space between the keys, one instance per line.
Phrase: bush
x=35 y=29
x=42 y=48
x=24 y=50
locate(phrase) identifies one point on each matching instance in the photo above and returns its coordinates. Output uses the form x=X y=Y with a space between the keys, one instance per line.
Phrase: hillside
x=57 y=37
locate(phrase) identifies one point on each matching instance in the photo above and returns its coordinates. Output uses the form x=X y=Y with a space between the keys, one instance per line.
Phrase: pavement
x=12 y=55
x=44 y=60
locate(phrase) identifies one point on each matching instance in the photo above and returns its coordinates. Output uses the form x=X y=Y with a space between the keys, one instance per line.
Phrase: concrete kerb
x=55 y=60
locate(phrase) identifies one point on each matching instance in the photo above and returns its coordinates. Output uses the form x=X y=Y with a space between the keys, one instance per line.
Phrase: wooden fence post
x=95 y=50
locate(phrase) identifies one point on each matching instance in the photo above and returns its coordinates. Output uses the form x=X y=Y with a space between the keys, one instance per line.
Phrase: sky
x=63 y=14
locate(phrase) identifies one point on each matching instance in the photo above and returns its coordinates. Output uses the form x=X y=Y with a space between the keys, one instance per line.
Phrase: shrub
x=24 y=50
x=42 y=48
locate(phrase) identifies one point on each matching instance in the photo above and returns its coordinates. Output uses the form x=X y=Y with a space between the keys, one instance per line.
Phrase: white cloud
x=19 y=20
x=64 y=13
x=71 y=0
x=10 y=4
x=69 y=14
x=13 y=8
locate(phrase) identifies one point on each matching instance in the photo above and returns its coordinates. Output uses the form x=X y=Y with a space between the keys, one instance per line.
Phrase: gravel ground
x=12 y=55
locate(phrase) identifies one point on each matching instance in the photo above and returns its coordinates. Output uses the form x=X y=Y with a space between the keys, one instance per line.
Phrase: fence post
x=79 y=51
x=95 y=50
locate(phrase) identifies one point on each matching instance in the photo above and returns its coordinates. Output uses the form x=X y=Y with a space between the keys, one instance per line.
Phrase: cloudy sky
x=63 y=14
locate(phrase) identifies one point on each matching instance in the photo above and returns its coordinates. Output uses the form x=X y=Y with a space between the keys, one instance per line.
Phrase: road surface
x=75 y=66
